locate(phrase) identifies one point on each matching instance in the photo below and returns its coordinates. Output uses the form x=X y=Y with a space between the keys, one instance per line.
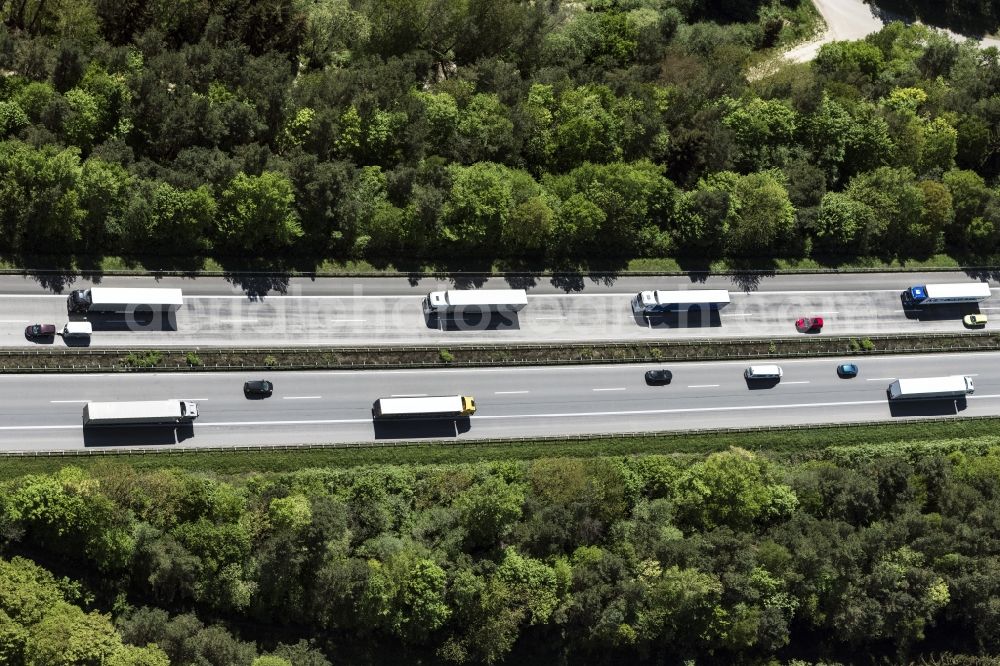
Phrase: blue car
x=847 y=370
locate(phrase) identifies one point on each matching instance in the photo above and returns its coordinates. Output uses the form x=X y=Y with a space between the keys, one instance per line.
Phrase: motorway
x=43 y=412
x=372 y=311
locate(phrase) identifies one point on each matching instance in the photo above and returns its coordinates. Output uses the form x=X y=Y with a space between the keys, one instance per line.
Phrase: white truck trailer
x=476 y=300
x=665 y=301
x=927 y=388
x=427 y=407
x=117 y=299
x=961 y=292
x=148 y=412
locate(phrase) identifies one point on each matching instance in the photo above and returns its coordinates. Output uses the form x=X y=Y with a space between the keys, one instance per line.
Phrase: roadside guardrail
x=202 y=359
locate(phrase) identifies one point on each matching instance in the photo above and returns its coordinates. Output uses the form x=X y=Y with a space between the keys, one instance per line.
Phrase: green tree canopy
x=256 y=214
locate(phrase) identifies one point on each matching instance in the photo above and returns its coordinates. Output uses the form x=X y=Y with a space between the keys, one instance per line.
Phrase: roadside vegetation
x=976 y=18
x=362 y=358
x=623 y=559
x=511 y=135
x=792 y=444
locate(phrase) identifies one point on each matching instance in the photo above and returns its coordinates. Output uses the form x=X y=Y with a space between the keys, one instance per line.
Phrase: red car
x=40 y=331
x=807 y=324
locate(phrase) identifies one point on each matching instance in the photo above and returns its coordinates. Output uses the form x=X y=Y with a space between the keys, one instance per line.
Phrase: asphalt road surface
x=44 y=412
x=373 y=311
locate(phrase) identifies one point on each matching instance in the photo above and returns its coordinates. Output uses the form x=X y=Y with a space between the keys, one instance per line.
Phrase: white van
x=763 y=372
x=77 y=329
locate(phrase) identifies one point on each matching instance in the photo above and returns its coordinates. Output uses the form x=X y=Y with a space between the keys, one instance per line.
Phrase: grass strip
x=851 y=442
x=347 y=358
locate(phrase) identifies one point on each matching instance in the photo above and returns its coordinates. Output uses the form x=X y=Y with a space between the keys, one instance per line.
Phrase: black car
x=258 y=387
x=659 y=376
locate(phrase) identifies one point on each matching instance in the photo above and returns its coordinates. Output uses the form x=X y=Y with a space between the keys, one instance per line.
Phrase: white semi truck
x=455 y=301
x=961 y=292
x=147 y=412
x=426 y=407
x=927 y=388
x=124 y=300
x=665 y=301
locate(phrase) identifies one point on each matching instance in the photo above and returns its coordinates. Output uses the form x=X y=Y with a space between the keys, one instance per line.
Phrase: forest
x=968 y=17
x=865 y=557
x=462 y=134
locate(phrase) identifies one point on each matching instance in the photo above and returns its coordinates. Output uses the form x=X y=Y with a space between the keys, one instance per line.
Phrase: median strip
x=459 y=355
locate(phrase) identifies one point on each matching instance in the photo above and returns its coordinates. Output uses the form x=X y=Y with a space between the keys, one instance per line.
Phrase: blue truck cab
x=915 y=295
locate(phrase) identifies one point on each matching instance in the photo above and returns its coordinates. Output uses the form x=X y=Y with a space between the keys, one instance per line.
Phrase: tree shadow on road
x=258 y=286
x=698 y=269
x=257 y=279
x=749 y=280
x=983 y=274
x=56 y=276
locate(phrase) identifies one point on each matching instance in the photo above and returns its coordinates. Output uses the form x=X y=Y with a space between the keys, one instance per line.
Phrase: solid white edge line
x=296 y=297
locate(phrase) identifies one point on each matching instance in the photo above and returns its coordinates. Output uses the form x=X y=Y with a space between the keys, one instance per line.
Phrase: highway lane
x=363 y=320
x=42 y=412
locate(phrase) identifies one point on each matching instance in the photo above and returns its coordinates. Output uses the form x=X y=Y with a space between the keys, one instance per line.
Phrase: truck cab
x=645 y=301
x=436 y=301
x=79 y=300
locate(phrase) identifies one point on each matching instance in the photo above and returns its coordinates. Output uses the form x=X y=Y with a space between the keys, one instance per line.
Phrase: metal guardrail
x=687 y=342
x=509 y=351
x=180 y=449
